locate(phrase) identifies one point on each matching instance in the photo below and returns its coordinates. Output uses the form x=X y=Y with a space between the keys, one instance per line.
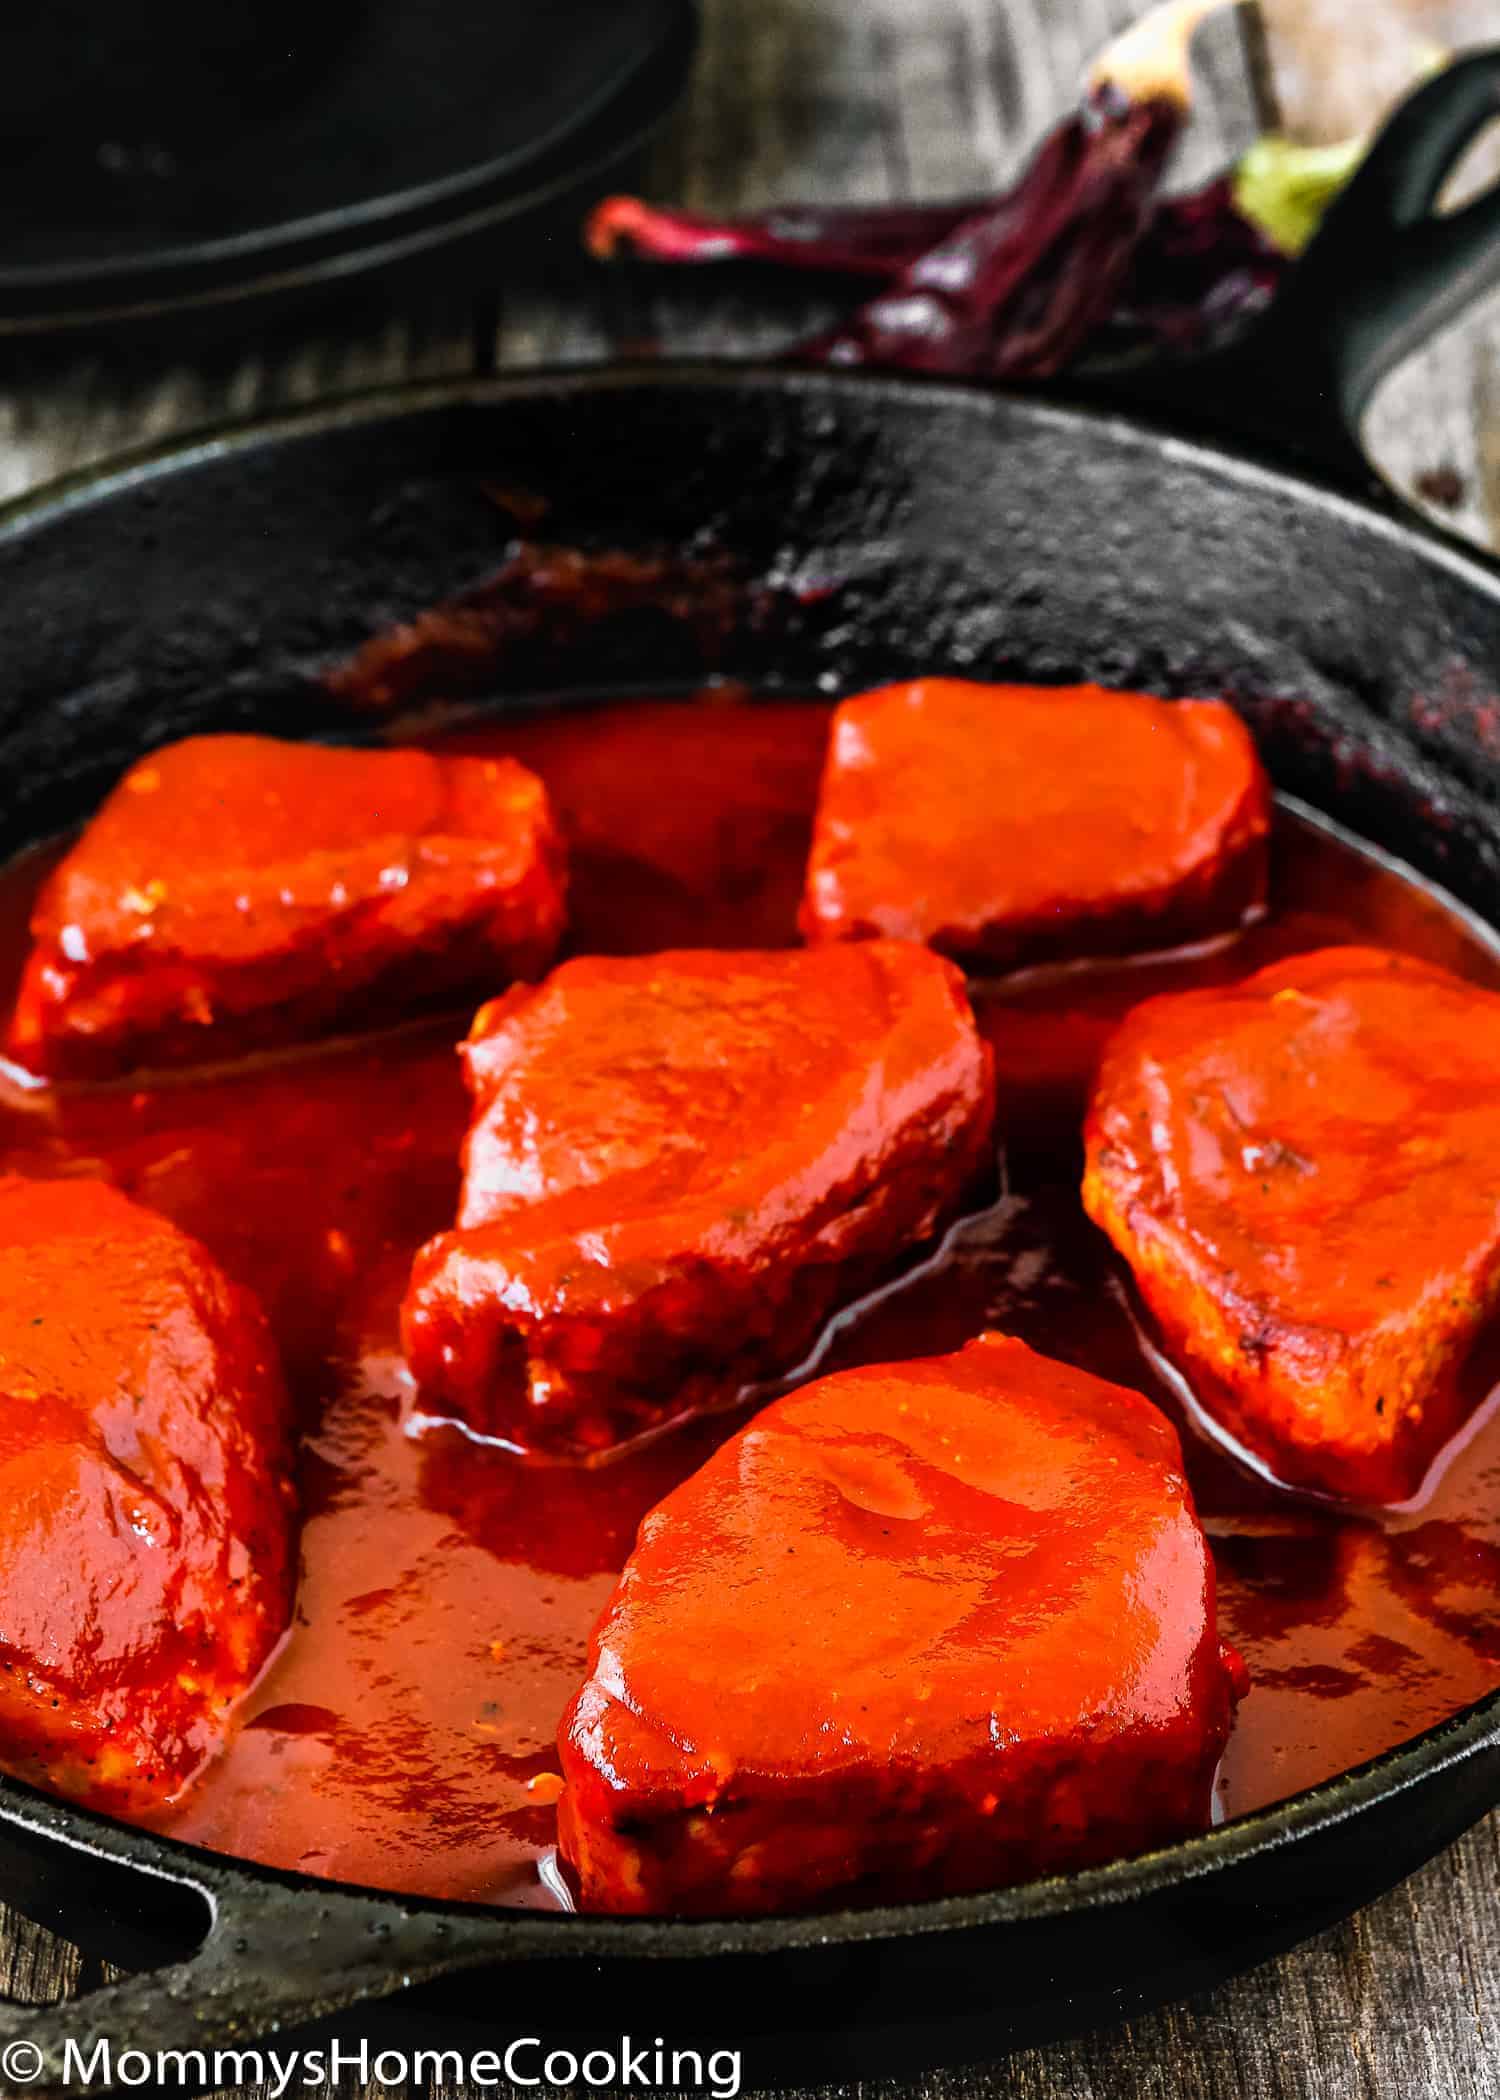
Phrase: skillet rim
x=365 y=219
x=1468 y=1732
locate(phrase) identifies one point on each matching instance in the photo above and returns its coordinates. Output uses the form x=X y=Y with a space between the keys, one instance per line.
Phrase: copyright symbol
x=21 y=2062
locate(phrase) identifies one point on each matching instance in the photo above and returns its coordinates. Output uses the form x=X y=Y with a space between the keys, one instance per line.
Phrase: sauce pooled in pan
x=404 y=1736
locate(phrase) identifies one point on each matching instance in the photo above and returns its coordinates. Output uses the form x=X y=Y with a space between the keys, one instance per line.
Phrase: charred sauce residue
x=404 y=1735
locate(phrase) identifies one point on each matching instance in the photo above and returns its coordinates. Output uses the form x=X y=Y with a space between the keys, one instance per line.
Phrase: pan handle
x=1383 y=273
x=249 y=1961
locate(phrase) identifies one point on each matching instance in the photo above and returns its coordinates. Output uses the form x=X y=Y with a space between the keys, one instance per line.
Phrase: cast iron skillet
x=894 y=529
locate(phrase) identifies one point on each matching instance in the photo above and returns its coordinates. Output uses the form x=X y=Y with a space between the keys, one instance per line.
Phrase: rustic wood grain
x=60 y=410
x=866 y=99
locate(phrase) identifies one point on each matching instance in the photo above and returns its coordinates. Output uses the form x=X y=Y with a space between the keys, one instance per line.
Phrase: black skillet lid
x=165 y=153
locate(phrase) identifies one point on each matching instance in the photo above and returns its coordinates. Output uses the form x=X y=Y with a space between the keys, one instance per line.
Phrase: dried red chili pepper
x=1080 y=254
x=1016 y=289
x=1202 y=270
x=859 y=240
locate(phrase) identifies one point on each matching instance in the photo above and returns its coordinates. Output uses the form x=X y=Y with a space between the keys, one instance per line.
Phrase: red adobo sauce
x=405 y=1734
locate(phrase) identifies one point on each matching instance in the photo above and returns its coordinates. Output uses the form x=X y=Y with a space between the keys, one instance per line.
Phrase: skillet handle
x=272 y=1963
x=1383 y=273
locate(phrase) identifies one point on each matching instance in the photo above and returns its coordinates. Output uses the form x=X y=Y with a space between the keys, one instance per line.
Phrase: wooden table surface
x=876 y=98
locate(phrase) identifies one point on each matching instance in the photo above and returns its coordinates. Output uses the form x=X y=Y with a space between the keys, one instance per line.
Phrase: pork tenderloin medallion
x=237 y=893
x=919 y=1629
x=1011 y=825
x=1303 y=1172
x=147 y=1514
x=679 y=1167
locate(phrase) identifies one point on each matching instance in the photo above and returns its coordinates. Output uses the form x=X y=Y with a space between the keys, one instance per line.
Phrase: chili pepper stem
x=1150 y=59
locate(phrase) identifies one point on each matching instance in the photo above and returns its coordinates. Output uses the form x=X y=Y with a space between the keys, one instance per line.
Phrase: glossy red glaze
x=678 y=1167
x=1011 y=824
x=146 y=1505
x=916 y=1629
x=235 y=891
x=1302 y=1170
x=449 y=1589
